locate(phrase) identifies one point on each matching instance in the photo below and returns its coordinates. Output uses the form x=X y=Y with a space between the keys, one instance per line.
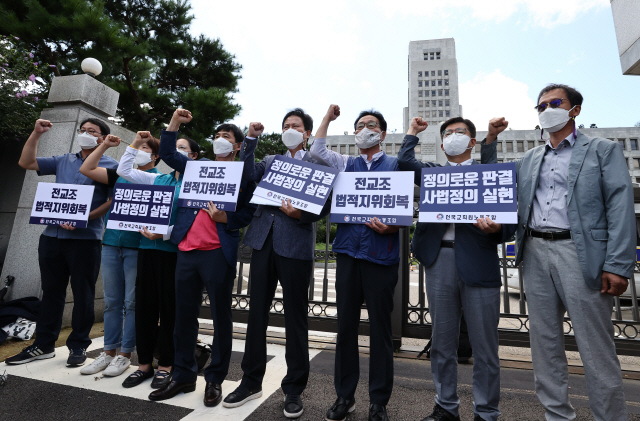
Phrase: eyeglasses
x=553 y=104
x=459 y=130
x=90 y=131
x=370 y=125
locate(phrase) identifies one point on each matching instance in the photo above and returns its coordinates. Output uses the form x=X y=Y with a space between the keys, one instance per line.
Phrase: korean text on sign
x=307 y=185
x=211 y=181
x=388 y=196
x=62 y=203
x=138 y=206
x=466 y=193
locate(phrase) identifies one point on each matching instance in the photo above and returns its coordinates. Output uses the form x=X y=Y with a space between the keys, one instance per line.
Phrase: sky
x=354 y=54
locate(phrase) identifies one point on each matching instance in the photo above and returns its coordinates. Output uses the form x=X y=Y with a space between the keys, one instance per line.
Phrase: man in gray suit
x=577 y=238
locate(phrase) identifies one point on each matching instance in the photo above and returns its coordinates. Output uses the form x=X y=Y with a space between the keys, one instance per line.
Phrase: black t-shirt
x=112 y=176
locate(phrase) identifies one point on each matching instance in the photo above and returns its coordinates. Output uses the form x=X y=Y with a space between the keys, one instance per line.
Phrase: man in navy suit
x=207 y=254
x=462 y=271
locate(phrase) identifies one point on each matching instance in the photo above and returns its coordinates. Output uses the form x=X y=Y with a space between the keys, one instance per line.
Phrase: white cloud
x=496 y=95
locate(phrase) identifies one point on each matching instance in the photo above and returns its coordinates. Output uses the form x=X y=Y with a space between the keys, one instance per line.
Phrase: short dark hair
x=228 y=127
x=299 y=112
x=104 y=128
x=154 y=145
x=574 y=97
x=454 y=120
x=376 y=114
x=193 y=145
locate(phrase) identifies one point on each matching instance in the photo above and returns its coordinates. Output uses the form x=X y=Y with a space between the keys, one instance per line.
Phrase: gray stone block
x=60 y=114
x=86 y=90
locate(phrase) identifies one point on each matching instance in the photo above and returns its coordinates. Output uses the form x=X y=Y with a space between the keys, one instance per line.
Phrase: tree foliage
x=147 y=55
x=270 y=144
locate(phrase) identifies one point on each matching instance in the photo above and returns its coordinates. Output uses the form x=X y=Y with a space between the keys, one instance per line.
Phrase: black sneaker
x=441 y=414
x=77 y=357
x=239 y=396
x=30 y=353
x=136 y=378
x=293 y=406
x=340 y=409
x=378 y=413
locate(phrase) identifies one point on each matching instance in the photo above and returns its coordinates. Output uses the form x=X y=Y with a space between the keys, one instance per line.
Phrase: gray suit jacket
x=292 y=238
x=599 y=204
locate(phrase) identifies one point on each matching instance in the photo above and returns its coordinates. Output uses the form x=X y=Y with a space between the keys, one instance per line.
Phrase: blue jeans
x=119 y=270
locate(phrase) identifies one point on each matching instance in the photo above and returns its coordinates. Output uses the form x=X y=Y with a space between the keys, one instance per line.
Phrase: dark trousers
x=60 y=260
x=267 y=268
x=197 y=269
x=155 y=299
x=359 y=281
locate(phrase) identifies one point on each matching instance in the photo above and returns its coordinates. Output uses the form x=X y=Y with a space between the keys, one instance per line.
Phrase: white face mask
x=367 y=138
x=292 y=138
x=222 y=147
x=142 y=158
x=86 y=141
x=185 y=153
x=554 y=119
x=455 y=144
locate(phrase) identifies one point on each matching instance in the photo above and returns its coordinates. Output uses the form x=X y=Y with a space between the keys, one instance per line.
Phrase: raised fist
x=111 y=141
x=181 y=116
x=42 y=126
x=497 y=125
x=142 y=136
x=418 y=125
x=333 y=112
x=255 y=129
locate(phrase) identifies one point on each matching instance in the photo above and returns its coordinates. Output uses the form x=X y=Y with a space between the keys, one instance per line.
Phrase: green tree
x=147 y=55
x=21 y=89
x=637 y=124
x=270 y=144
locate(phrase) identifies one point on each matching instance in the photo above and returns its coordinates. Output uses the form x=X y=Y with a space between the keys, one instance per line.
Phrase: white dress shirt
x=450 y=233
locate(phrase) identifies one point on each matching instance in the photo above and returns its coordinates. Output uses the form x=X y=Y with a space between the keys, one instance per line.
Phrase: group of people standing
x=575 y=236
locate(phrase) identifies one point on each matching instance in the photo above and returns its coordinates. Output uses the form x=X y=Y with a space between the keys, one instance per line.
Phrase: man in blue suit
x=462 y=271
x=577 y=240
x=207 y=254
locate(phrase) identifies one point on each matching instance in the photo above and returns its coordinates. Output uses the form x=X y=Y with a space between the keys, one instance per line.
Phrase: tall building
x=433 y=81
x=626 y=14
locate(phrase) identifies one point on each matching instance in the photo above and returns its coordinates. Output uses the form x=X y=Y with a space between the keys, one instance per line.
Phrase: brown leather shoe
x=172 y=389
x=212 y=394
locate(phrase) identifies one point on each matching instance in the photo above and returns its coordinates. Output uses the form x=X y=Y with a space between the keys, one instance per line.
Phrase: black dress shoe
x=477 y=418
x=239 y=396
x=441 y=414
x=212 y=394
x=292 y=406
x=340 y=409
x=136 y=378
x=170 y=390
x=161 y=379
x=377 y=413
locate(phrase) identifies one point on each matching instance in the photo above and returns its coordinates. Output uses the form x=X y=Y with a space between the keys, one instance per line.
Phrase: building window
x=334 y=148
x=388 y=149
x=447 y=102
x=499 y=146
x=343 y=150
x=621 y=143
x=433 y=82
x=636 y=163
x=439 y=82
x=426 y=93
x=426 y=56
x=420 y=84
x=439 y=72
x=634 y=144
x=500 y=161
x=434 y=114
x=417 y=149
x=433 y=73
x=420 y=104
x=426 y=103
x=433 y=92
x=446 y=73
x=431 y=56
x=446 y=92
x=447 y=113
x=520 y=146
x=419 y=74
x=440 y=103
x=530 y=144
x=446 y=82
x=433 y=103
x=420 y=93
x=438 y=55
x=440 y=113
x=439 y=92
x=509 y=146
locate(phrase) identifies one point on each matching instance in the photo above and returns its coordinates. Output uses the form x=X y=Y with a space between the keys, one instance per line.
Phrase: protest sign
x=360 y=196
x=307 y=185
x=138 y=206
x=211 y=181
x=465 y=193
x=57 y=203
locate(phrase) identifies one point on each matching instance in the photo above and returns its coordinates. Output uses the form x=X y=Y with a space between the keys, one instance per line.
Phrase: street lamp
x=91 y=66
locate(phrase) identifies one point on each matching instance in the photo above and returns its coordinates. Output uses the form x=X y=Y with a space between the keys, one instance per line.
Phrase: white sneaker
x=118 y=365
x=97 y=365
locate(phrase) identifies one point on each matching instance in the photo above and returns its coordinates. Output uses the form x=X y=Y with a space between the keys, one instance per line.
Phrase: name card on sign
x=360 y=196
x=138 y=206
x=465 y=193
x=57 y=204
x=211 y=181
x=307 y=185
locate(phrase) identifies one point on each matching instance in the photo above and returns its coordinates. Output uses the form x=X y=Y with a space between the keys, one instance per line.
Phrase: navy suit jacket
x=292 y=238
x=228 y=233
x=477 y=261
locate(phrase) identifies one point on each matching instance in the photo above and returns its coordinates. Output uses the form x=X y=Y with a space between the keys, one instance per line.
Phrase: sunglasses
x=553 y=104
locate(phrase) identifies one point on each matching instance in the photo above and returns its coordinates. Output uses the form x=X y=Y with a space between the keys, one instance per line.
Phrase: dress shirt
x=549 y=211
x=332 y=158
x=299 y=155
x=450 y=233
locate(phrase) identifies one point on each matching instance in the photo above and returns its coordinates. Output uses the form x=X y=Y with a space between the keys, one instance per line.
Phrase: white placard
x=211 y=181
x=58 y=203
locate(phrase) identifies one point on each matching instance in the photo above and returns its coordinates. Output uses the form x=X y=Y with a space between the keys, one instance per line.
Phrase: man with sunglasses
x=462 y=271
x=576 y=238
x=65 y=253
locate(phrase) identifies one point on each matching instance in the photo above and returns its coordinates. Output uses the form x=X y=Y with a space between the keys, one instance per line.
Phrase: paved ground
x=47 y=389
